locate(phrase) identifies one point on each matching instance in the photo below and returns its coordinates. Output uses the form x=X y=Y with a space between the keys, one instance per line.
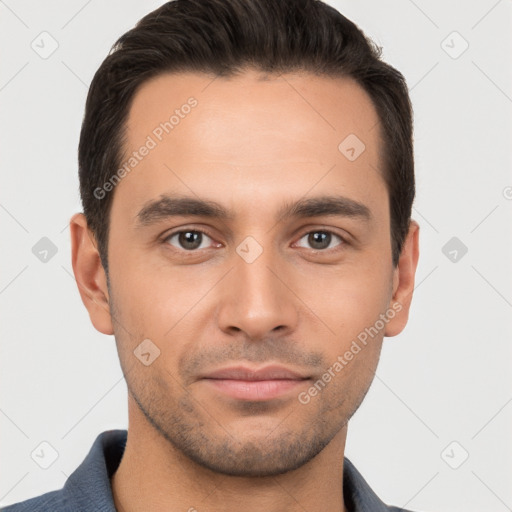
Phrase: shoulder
x=54 y=500
x=88 y=487
x=359 y=496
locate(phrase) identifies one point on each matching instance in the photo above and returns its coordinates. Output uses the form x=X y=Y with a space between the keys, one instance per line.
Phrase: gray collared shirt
x=88 y=487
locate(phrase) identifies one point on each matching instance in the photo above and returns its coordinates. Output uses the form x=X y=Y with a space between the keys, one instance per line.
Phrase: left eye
x=320 y=240
x=189 y=240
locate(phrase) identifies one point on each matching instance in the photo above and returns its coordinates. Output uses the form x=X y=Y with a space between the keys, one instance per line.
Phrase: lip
x=273 y=372
x=261 y=384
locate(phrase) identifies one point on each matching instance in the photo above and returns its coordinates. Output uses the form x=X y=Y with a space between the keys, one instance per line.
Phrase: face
x=246 y=238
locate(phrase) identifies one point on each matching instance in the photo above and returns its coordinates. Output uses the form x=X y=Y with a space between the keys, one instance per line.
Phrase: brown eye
x=321 y=240
x=188 y=240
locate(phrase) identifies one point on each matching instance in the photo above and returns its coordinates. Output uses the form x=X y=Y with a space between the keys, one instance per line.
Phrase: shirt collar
x=90 y=482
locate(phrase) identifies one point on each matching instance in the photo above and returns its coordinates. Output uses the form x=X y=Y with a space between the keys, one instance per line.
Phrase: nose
x=256 y=299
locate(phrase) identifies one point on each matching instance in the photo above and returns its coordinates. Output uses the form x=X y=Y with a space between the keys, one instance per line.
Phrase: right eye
x=188 y=239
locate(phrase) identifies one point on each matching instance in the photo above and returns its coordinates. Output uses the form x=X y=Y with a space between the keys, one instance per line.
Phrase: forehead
x=287 y=130
x=305 y=105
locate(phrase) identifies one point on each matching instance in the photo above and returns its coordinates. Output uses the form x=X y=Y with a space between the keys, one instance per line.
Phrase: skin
x=250 y=144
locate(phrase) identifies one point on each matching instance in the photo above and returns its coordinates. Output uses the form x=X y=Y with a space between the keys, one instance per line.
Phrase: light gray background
x=445 y=378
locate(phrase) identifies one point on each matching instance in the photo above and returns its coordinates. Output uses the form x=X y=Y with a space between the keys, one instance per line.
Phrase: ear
x=403 y=281
x=89 y=274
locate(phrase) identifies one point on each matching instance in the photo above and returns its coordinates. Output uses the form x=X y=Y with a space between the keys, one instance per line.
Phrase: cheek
x=352 y=308
x=348 y=300
x=157 y=301
x=134 y=296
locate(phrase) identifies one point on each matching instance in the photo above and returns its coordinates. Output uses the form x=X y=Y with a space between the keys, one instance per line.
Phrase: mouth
x=244 y=383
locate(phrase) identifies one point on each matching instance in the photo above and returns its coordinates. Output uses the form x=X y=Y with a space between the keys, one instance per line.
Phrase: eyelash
x=339 y=246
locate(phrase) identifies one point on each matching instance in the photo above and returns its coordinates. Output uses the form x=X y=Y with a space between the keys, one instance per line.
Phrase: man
x=247 y=178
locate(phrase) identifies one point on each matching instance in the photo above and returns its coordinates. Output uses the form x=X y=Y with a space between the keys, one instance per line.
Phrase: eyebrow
x=168 y=206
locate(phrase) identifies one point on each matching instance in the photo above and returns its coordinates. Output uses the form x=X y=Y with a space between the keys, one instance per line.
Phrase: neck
x=154 y=475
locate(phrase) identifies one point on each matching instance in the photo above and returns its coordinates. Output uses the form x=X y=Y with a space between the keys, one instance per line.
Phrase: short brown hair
x=226 y=37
